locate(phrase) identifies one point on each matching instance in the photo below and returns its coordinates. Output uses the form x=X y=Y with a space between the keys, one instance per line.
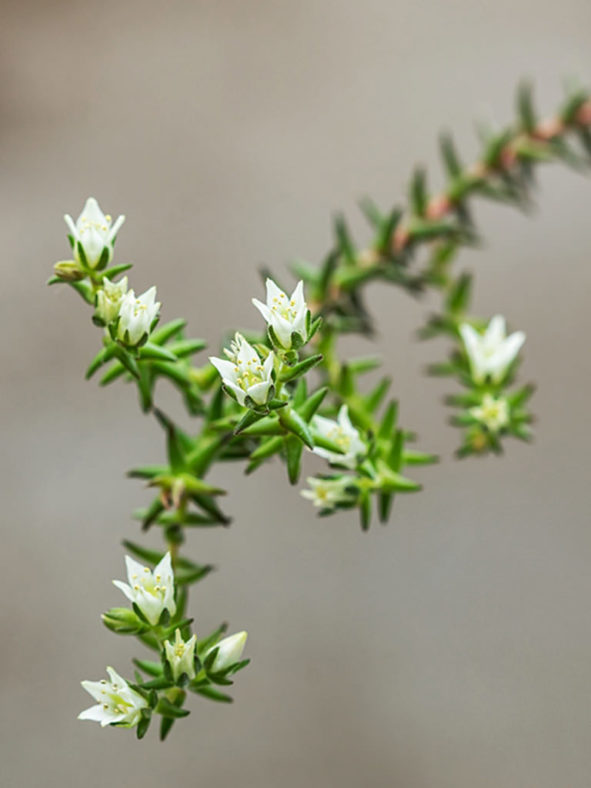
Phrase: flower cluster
x=129 y=318
x=486 y=365
x=185 y=662
x=249 y=374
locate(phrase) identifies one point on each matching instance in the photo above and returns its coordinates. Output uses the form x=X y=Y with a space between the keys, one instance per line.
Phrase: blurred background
x=451 y=649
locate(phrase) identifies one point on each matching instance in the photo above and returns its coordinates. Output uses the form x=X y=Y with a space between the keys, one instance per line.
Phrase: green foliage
x=412 y=247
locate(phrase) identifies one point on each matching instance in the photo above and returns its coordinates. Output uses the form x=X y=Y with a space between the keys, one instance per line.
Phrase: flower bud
x=122 y=620
x=229 y=652
x=68 y=270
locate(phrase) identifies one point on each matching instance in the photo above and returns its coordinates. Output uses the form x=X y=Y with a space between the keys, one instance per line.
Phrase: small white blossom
x=245 y=373
x=493 y=352
x=493 y=412
x=117 y=702
x=285 y=315
x=180 y=655
x=343 y=434
x=109 y=298
x=136 y=315
x=327 y=493
x=229 y=652
x=153 y=591
x=94 y=233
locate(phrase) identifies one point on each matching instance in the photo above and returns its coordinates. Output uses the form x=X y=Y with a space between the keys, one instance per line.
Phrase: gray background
x=448 y=650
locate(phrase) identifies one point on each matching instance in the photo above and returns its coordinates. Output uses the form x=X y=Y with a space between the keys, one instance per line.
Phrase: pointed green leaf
x=302 y=368
x=151 y=351
x=213 y=694
x=293 y=455
x=295 y=424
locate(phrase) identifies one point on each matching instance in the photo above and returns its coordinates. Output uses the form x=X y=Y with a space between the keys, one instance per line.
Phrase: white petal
x=99 y=714
x=246 y=352
x=227 y=369
x=240 y=393
x=263 y=309
x=514 y=343
x=268 y=365
x=150 y=605
x=473 y=344
x=116 y=227
x=148 y=298
x=116 y=678
x=507 y=354
x=92 y=212
x=299 y=321
x=274 y=292
x=298 y=296
x=164 y=568
x=496 y=330
x=324 y=453
x=133 y=568
x=94 y=688
x=71 y=226
x=125 y=588
x=283 y=329
x=259 y=392
x=345 y=421
x=470 y=337
x=324 y=426
x=93 y=241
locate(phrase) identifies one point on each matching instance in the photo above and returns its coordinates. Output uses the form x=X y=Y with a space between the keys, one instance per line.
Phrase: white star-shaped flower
x=181 y=655
x=117 y=702
x=327 y=493
x=109 y=298
x=286 y=316
x=151 y=591
x=136 y=315
x=342 y=433
x=493 y=352
x=493 y=412
x=245 y=373
x=94 y=233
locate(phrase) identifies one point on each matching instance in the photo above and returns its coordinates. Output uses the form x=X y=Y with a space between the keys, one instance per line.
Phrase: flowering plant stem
x=284 y=390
